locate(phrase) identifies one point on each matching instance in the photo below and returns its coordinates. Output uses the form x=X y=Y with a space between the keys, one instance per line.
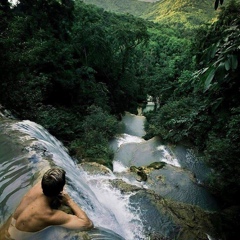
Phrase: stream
x=27 y=150
x=183 y=164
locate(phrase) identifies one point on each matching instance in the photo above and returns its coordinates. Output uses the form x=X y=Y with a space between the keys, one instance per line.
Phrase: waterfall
x=183 y=175
x=105 y=206
x=120 y=206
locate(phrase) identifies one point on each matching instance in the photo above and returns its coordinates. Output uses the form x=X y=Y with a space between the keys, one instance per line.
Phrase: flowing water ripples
x=106 y=206
x=116 y=215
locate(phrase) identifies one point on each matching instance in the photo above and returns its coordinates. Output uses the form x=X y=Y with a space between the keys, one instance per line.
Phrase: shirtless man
x=36 y=211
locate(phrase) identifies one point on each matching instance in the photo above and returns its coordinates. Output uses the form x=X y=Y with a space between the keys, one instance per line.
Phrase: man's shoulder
x=56 y=217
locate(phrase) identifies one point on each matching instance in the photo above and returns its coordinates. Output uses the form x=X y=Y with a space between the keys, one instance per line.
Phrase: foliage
x=98 y=127
x=182 y=120
x=221 y=58
x=33 y=52
x=72 y=67
x=166 y=56
x=108 y=43
x=182 y=14
x=179 y=14
x=133 y=7
x=86 y=136
x=61 y=122
x=223 y=156
x=60 y=57
x=98 y=120
x=204 y=106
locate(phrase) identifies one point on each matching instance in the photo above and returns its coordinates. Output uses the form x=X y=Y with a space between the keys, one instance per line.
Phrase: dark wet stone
x=157 y=165
x=142 y=176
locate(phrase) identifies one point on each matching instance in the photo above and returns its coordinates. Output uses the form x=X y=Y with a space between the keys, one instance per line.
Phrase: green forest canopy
x=76 y=68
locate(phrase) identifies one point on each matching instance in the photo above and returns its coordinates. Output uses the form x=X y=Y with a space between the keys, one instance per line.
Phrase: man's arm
x=78 y=221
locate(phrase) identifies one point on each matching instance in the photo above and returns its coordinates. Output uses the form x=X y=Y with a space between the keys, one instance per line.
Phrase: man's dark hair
x=53 y=182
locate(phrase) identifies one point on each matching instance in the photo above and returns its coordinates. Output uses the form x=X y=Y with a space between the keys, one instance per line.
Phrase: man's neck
x=54 y=202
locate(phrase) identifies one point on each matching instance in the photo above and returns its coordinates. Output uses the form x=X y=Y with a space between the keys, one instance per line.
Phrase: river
x=183 y=164
x=27 y=150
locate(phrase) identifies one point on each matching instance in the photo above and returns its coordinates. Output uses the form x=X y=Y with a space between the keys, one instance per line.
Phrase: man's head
x=53 y=182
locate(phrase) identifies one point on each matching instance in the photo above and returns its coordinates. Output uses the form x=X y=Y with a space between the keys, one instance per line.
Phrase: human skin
x=34 y=213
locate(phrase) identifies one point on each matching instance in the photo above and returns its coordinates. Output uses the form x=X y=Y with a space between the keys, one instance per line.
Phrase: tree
x=221 y=59
x=205 y=109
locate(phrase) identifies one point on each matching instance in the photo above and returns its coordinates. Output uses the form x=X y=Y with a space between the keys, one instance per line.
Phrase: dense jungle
x=75 y=68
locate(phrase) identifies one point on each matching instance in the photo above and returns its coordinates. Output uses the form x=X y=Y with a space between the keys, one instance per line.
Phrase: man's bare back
x=35 y=213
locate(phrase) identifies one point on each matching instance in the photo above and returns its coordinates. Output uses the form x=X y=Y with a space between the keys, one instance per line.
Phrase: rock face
x=183 y=221
x=190 y=222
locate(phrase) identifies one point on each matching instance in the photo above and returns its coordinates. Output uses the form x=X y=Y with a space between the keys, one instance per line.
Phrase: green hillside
x=186 y=13
x=134 y=7
x=181 y=12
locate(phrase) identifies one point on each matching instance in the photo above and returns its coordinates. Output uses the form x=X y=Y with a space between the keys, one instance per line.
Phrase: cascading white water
x=182 y=166
x=116 y=213
x=107 y=207
x=129 y=223
x=165 y=156
x=123 y=139
x=168 y=157
x=126 y=138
